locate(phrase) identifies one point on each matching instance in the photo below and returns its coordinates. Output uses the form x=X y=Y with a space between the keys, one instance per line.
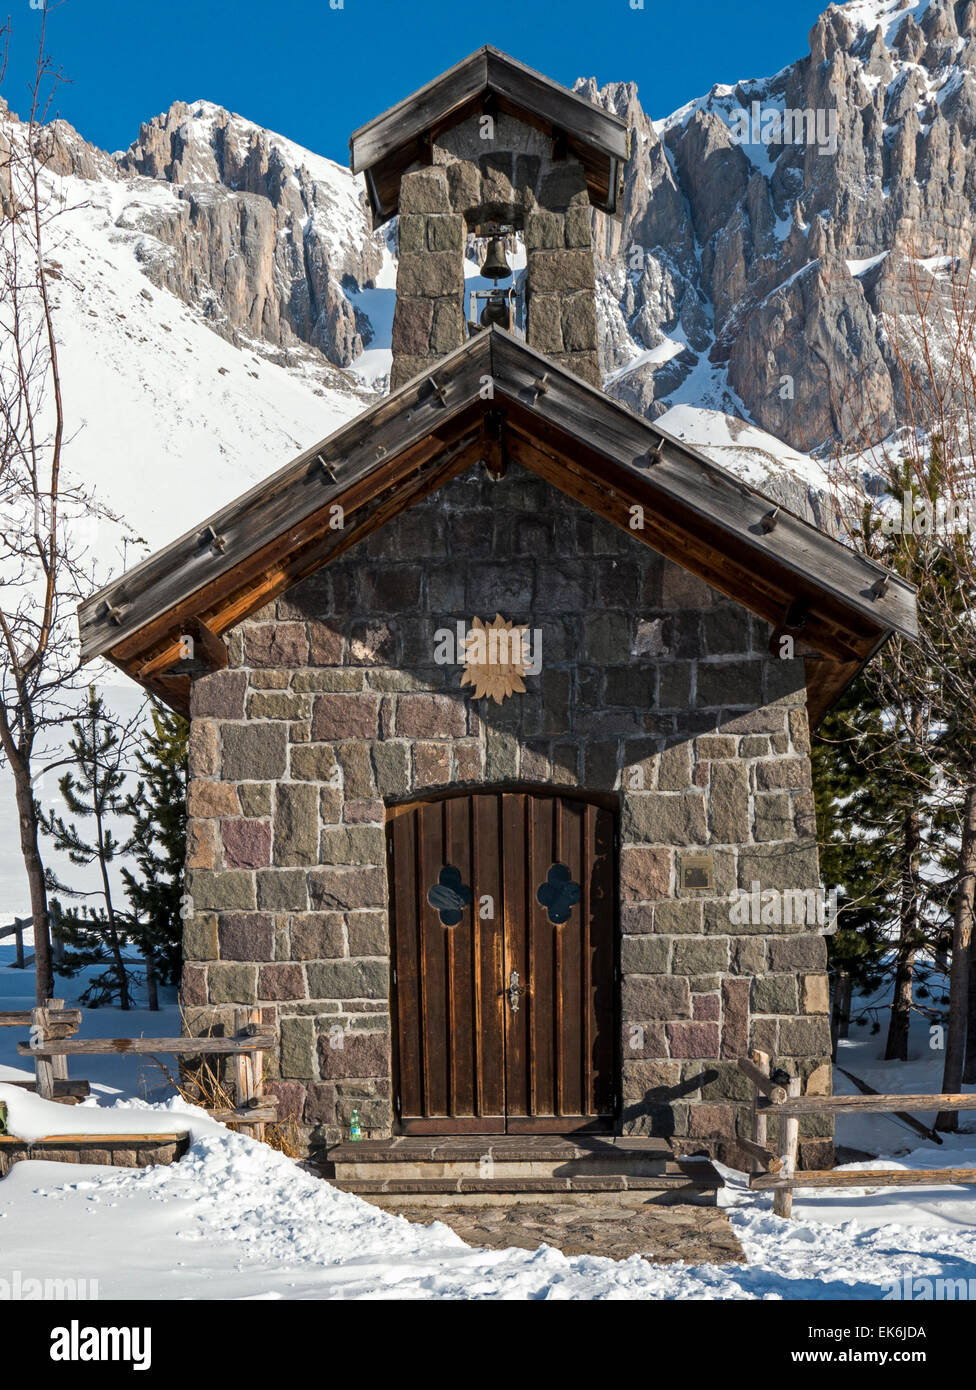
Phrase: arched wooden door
x=503 y=1000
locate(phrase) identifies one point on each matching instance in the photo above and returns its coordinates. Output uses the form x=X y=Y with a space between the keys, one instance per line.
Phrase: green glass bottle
x=355 y=1130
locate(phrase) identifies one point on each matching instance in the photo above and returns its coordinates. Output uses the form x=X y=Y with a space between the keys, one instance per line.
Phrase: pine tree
x=92 y=791
x=877 y=829
x=158 y=809
x=850 y=861
x=877 y=766
x=931 y=684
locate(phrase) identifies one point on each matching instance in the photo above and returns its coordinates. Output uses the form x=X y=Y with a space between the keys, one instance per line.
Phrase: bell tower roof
x=489 y=82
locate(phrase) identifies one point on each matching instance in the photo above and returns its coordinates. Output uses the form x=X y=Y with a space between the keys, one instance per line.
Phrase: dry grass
x=199 y=1083
x=286 y=1136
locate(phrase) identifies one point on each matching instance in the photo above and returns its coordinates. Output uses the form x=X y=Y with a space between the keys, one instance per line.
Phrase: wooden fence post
x=840 y=1012
x=788 y=1145
x=239 y=1062
x=59 y=1063
x=761 y=1060
x=43 y=1066
x=256 y=1064
x=249 y=1066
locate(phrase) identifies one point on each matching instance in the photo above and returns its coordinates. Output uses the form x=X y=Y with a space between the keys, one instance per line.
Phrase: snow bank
x=233 y=1219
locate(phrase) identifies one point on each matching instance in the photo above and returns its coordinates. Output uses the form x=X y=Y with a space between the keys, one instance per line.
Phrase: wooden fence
x=53 y=1041
x=16 y=929
x=776 y=1171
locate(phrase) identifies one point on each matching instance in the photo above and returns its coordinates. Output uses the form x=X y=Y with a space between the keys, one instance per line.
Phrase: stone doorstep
x=501 y=1148
x=410 y=1157
x=447 y=1195
x=698 y=1187
x=602 y=1165
x=529 y=1163
x=510 y=1169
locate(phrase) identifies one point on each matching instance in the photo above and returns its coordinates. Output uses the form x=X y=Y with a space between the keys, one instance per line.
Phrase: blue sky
x=313 y=72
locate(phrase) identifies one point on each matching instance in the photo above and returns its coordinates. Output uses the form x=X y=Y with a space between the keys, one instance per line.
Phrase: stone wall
x=510 y=179
x=652 y=687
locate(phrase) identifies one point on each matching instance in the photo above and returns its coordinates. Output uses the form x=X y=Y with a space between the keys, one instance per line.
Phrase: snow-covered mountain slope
x=171 y=409
x=169 y=420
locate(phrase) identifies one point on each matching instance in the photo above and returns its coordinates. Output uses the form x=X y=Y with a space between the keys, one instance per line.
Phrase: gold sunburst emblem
x=494 y=659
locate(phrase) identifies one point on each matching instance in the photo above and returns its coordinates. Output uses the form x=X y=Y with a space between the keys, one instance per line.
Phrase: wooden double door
x=504 y=964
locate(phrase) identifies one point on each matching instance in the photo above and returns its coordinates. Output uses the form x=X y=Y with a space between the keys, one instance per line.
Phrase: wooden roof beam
x=198 y=650
x=283 y=510
x=385 y=147
x=238 y=605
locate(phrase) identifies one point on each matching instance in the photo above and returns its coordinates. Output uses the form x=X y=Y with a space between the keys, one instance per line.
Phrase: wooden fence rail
x=777 y=1172
x=870 y=1105
x=16 y=929
x=52 y=1043
x=181 y=1047
x=23 y=1018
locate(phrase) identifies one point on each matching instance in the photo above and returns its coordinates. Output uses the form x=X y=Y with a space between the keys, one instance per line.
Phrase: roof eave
x=398 y=129
x=422 y=409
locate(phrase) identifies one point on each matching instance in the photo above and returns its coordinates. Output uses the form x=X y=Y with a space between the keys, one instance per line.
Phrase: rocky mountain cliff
x=773 y=268
x=269 y=242
x=769 y=232
x=267 y=235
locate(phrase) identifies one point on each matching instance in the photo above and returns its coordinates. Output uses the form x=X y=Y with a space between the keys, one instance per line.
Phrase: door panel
x=483 y=885
x=560 y=1045
x=490 y=949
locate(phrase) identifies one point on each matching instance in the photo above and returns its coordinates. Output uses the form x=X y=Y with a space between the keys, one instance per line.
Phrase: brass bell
x=496 y=267
x=497 y=311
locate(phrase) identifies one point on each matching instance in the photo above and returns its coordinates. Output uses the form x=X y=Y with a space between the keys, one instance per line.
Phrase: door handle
x=515 y=992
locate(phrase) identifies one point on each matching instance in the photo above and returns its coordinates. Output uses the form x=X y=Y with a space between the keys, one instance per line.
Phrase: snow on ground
x=234 y=1219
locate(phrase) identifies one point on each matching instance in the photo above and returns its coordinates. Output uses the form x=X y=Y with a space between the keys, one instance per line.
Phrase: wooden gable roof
x=495 y=399
x=388 y=145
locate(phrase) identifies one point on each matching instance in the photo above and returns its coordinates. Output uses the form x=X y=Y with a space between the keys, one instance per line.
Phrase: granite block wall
x=652 y=688
x=502 y=172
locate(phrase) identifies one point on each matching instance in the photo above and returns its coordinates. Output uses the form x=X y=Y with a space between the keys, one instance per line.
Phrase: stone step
x=515 y=1146
x=699 y=1188
x=536 y=1158
x=488 y=1167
